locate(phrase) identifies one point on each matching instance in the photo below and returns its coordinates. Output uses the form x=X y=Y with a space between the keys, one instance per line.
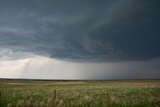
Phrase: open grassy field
x=24 y=93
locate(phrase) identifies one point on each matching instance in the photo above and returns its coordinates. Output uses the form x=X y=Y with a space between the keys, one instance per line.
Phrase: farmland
x=124 y=93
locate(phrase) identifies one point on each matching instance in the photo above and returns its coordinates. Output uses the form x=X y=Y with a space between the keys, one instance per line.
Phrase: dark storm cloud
x=101 y=30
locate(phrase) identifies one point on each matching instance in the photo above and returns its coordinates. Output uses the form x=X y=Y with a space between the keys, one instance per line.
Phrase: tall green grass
x=80 y=94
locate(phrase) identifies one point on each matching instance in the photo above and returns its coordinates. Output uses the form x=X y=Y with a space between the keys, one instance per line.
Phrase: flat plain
x=119 y=93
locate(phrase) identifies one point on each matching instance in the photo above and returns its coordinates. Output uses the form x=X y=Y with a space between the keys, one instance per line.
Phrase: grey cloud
x=82 y=30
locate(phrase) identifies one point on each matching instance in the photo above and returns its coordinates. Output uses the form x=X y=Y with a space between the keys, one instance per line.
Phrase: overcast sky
x=80 y=39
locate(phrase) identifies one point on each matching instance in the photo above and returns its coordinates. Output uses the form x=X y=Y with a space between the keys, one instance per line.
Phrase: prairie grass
x=80 y=94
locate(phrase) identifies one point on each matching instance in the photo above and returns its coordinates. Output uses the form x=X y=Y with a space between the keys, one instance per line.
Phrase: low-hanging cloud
x=100 y=30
